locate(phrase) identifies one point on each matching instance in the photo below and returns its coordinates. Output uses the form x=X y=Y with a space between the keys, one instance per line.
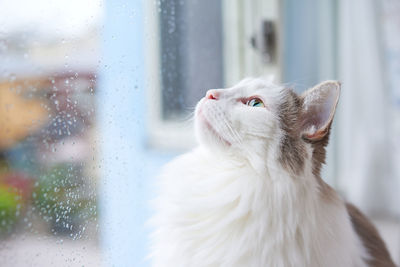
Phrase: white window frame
x=240 y=59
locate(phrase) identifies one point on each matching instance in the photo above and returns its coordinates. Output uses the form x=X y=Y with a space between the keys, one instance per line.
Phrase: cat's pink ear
x=318 y=109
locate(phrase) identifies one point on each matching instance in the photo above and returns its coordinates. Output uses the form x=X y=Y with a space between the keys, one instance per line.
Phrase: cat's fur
x=251 y=193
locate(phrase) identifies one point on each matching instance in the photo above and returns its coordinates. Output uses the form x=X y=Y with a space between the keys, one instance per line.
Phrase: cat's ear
x=319 y=105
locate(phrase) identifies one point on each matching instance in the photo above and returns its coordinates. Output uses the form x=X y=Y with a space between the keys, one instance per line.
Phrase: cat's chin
x=206 y=133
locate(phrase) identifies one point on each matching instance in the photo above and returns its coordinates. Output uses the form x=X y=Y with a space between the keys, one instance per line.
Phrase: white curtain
x=366 y=153
x=390 y=20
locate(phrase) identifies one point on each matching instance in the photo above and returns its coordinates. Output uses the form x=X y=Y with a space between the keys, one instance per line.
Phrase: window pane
x=48 y=173
x=191 y=53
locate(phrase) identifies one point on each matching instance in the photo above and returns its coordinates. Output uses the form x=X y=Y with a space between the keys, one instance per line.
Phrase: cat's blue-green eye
x=255 y=102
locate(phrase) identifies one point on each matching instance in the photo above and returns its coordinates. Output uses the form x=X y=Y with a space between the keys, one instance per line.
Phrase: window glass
x=49 y=53
x=191 y=53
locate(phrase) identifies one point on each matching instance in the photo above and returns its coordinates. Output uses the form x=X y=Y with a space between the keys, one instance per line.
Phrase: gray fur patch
x=375 y=246
x=292 y=150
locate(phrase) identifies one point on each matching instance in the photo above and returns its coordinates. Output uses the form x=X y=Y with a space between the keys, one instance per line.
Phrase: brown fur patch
x=319 y=152
x=292 y=151
x=370 y=238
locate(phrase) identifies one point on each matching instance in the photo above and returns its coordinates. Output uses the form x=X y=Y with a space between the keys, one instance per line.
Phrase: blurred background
x=96 y=95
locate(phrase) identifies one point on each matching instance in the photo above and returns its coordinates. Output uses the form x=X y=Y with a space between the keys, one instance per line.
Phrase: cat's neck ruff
x=225 y=212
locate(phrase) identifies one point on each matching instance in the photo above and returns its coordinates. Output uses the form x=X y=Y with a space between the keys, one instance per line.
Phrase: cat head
x=267 y=123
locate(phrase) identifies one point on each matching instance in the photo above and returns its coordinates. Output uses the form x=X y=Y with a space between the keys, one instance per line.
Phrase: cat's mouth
x=210 y=128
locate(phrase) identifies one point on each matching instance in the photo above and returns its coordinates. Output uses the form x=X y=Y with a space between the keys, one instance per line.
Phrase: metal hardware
x=264 y=41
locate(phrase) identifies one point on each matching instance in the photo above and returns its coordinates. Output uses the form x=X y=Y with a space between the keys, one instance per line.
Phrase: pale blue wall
x=126 y=166
x=309 y=48
x=301 y=43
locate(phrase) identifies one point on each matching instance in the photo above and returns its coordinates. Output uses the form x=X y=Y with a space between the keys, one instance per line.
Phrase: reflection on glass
x=48 y=190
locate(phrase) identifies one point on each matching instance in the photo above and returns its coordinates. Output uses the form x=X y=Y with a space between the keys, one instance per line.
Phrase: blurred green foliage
x=62 y=198
x=10 y=206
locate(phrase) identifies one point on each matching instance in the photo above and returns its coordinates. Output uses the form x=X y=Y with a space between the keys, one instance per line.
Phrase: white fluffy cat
x=251 y=193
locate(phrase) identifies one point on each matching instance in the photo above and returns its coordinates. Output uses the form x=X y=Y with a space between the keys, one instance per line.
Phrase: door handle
x=264 y=41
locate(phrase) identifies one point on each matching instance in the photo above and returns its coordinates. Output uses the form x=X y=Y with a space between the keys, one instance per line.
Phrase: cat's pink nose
x=212 y=94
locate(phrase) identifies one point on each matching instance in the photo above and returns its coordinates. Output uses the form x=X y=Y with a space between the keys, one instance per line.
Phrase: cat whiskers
x=231 y=132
